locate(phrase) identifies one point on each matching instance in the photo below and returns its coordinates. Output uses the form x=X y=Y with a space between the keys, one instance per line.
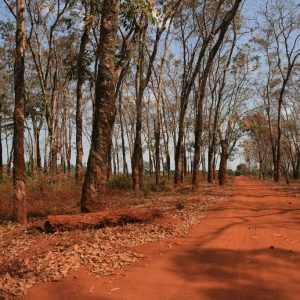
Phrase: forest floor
x=248 y=247
x=29 y=257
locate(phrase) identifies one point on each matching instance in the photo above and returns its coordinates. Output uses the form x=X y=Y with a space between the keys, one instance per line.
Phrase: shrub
x=119 y=182
x=151 y=186
x=180 y=204
x=230 y=172
x=158 y=187
x=238 y=173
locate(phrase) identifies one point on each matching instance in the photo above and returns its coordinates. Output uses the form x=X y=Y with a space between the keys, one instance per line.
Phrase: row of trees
x=168 y=82
x=272 y=143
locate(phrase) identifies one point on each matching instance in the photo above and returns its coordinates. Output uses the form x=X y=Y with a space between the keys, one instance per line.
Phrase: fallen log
x=94 y=220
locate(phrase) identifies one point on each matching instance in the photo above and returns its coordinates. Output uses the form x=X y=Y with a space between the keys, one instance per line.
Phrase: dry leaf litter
x=27 y=259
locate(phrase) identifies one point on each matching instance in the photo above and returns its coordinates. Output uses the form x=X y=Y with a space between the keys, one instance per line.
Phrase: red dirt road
x=249 y=248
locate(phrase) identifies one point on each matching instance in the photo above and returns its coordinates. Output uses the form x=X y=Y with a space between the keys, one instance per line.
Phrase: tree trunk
x=152 y=161
x=19 y=203
x=125 y=167
x=198 y=140
x=260 y=171
x=1 y=156
x=53 y=151
x=137 y=158
x=37 y=148
x=105 y=110
x=185 y=164
x=223 y=162
x=109 y=162
x=157 y=147
x=113 y=156
x=210 y=164
x=68 y=145
x=278 y=148
x=81 y=65
x=166 y=140
x=9 y=157
x=178 y=162
x=46 y=152
x=158 y=114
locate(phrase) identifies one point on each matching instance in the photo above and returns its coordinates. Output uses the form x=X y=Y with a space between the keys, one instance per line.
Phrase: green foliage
x=181 y=204
x=230 y=172
x=149 y=184
x=238 y=173
x=159 y=187
x=131 y=8
x=119 y=182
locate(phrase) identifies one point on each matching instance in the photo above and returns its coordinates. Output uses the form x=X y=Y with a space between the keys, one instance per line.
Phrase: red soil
x=248 y=248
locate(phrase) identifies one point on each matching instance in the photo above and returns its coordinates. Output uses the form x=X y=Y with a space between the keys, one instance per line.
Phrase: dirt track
x=249 y=248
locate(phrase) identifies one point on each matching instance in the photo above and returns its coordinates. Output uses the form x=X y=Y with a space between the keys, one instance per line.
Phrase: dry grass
x=53 y=195
x=48 y=194
x=45 y=195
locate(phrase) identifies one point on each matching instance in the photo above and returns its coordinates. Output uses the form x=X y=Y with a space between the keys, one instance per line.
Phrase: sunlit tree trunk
x=105 y=110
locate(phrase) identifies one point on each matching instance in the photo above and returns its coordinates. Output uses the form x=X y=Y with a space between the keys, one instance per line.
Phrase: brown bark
x=105 y=110
x=277 y=160
x=81 y=65
x=158 y=108
x=166 y=142
x=1 y=156
x=223 y=162
x=137 y=156
x=109 y=161
x=19 y=203
x=178 y=149
x=68 y=145
x=37 y=150
x=125 y=167
x=9 y=157
x=198 y=137
x=157 y=146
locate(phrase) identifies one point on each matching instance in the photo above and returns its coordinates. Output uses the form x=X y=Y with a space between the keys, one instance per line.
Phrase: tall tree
x=1 y=157
x=211 y=19
x=19 y=203
x=81 y=66
x=279 y=39
x=143 y=75
x=105 y=110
